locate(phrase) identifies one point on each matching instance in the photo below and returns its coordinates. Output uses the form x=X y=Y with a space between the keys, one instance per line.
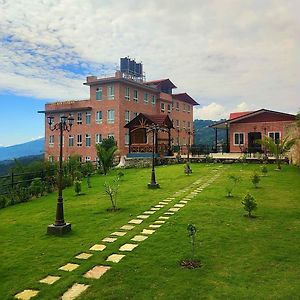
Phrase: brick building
x=113 y=103
x=245 y=128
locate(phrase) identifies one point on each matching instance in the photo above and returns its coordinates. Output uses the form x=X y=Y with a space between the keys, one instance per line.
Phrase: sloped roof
x=145 y=120
x=159 y=82
x=185 y=98
x=238 y=114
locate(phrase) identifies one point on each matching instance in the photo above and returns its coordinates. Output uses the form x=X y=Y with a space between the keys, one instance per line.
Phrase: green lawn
x=242 y=258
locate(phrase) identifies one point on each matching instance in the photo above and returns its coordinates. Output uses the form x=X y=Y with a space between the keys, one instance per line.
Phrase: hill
x=26 y=149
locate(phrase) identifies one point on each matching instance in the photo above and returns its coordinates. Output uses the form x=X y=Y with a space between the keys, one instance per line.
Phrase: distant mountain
x=204 y=135
x=27 y=149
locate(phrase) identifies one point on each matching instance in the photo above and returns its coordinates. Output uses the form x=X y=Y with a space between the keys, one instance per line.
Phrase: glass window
x=98 y=138
x=127 y=116
x=99 y=117
x=71 y=140
x=79 y=140
x=51 y=158
x=177 y=123
x=189 y=108
x=127 y=93
x=63 y=140
x=111 y=92
x=145 y=97
x=87 y=158
x=135 y=114
x=135 y=96
x=110 y=136
x=239 y=138
x=99 y=94
x=51 y=140
x=275 y=136
x=184 y=107
x=189 y=124
x=88 y=140
x=126 y=139
x=79 y=118
x=169 y=108
x=177 y=106
x=153 y=99
x=88 y=118
x=162 y=107
x=110 y=116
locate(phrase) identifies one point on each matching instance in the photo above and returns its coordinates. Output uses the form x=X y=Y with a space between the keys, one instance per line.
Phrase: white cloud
x=220 y=52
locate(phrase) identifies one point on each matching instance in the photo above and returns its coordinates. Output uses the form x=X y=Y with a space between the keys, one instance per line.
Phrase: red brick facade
x=118 y=94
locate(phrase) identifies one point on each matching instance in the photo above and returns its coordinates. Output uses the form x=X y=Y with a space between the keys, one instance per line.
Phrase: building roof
x=159 y=82
x=144 y=120
x=239 y=116
x=185 y=98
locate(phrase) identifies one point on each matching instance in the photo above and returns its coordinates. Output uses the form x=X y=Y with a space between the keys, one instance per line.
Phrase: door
x=253 y=146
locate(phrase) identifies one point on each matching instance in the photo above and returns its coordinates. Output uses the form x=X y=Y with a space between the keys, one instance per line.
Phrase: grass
x=242 y=258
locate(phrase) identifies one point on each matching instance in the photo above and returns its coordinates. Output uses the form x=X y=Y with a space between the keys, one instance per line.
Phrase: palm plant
x=277 y=148
x=106 y=156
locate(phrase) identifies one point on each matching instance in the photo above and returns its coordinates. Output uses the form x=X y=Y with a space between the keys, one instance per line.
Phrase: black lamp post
x=153 y=184
x=60 y=226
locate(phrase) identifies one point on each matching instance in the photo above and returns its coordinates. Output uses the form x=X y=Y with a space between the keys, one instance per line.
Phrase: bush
x=36 y=187
x=264 y=170
x=187 y=169
x=22 y=194
x=77 y=187
x=233 y=181
x=255 y=180
x=249 y=204
x=3 y=201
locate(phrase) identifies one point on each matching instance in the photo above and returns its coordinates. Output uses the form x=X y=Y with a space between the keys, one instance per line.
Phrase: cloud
x=221 y=52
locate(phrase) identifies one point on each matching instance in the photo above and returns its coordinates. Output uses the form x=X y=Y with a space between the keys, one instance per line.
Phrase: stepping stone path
x=98 y=271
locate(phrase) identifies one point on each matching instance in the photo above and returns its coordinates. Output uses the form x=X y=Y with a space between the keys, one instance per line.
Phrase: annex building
x=123 y=107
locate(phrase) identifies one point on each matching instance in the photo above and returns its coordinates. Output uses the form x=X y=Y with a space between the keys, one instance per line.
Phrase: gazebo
x=141 y=135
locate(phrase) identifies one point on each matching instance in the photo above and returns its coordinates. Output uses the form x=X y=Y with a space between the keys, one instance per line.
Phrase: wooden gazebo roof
x=145 y=120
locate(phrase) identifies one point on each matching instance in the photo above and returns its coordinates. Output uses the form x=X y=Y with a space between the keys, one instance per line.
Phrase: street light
x=60 y=226
x=153 y=184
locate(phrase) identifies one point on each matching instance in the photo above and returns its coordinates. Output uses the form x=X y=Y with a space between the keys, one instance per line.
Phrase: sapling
x=234 y=180
x=192 y=230
x=111 y=190
x=249 y=204
x=264 y=170
x=255 y=180
x=77 y=187
x=187 y=169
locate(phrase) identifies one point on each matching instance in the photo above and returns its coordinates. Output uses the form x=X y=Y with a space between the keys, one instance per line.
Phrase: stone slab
x=96 y=272
x=179 y=205
x=164 y=218
x=74 y=291
x=49 y=279
x=26 y=294
x=163 y=203
x=149 y=212
x=128 y=247
x=119 y=233
x=127 y=227
x=168 y=213
x=98 y=247
x=154 y=208
x=115 y=258
x=139 y=238
x=147 y=231
x=109 y=239
x=143 y=216
x=168 y=200
x=183 y=201
x=159 y=222
x=154 y=226
x=172 y=209
x=69 y=267
x=135 y=221
x=159 y=206
x=84 y=255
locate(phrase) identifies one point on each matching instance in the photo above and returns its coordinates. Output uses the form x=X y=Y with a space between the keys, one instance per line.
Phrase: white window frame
x=98 y=138
x=127 y=93
x=51 y=140
x=79 y=140
x=79 y=118
x=126 y=140
x=71 y=138
x=88 y=138
x=188 y=108
x=99 y=90
x=274 y=132
x=127 y=116
x=169 y=108
x=111 y=135
x=178 y=124
x=162 y=107
x=177 y=106
x=111 y=92
x=88 y=118
x=136 y=96
x=146 y=97
x=153 y=100
x=99 y=120
x=87 y=159
x=111 y=120
x=239 y=133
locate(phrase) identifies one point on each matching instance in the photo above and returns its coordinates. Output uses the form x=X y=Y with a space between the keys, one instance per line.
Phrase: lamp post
x=153 y=184
x=60 y=226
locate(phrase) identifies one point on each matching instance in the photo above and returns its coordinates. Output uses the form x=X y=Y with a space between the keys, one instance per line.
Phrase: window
x=184 y=107
x=189 y=108
x=88 y=118
x=162 y=107
x=63 y=140
x=110 y=136
x=127 y=116
x=98 y=138
x=177 y=123
x=51 y=158
x=99 y=117
x=88 y=140
x=169 y=108
x=184 y=125
x=51 y=140
x=177 y=106
x=135 y=96
x=135 y=114
x=127 y=93
x=71 y=140
x=87 y=158
x=275 y=135
x=183 y=141
x=177 y=140
x=189 y=124
x=111 y=92
x=153 y=99
x=79 y=118
x=110 y=116
x=126 y=139
x=99 y=94
x=146 y=98
x=79 y=140
x=238 y=138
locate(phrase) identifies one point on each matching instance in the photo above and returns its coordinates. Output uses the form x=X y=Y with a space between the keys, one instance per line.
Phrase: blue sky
x=228 y=55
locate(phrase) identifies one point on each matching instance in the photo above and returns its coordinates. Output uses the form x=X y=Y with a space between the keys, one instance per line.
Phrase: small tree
x=192 y=230
x=249 y=204
x=36 y=187
x=105 y=153
x=264 y=170
x=187 y=169
x=255 y=180
x=233 y=181
x=111 y=190
x=77 y=187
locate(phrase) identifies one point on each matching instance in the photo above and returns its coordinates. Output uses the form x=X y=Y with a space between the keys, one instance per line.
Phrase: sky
x=229 y=55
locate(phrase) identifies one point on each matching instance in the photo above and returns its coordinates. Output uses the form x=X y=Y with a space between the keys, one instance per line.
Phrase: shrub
x=187 y=169
x=3 y=201
x=192 y=230
x=22 y=194
x=111 y=190
x=77 y=175
x=105 y=153
x=36 y=187
x=264 y=170
x=88 y=180
x=77 y=187
x=255 y=180
x=249 y=204
x=233 y=181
